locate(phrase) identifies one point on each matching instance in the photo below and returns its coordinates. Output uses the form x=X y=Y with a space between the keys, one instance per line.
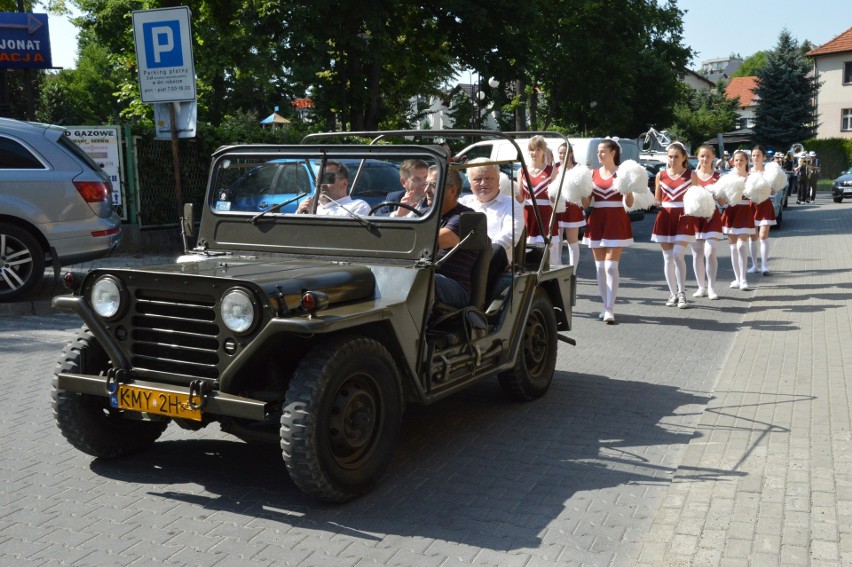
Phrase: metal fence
x=156 y=202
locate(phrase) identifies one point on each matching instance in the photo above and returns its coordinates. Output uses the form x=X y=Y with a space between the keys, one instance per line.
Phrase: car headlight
x=238 y=310
x=107 y=297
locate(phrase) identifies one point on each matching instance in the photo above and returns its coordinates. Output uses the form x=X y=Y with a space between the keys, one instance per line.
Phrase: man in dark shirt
x=452 y=280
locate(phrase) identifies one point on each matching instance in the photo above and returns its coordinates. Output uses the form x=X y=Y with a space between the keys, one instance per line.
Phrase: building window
x=847 y=72
x=846 y=120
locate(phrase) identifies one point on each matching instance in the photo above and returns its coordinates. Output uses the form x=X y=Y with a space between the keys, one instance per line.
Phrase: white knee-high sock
x=752 y=251
x=712 y=264
x=698 y=261
x=742 y=257
x=574 y=254
x=764 y=254
x=669 y=270
x=555 y=251
x=600 y=270
x=735 y=261
x=680 y=266
x=611 y=267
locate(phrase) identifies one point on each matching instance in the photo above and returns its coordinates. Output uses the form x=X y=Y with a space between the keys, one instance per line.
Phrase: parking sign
x=164 y=55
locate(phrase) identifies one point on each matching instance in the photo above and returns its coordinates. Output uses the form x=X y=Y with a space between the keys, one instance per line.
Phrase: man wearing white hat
x=813 y=175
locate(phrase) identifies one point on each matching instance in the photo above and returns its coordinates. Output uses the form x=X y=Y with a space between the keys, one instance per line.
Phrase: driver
x=334 y=199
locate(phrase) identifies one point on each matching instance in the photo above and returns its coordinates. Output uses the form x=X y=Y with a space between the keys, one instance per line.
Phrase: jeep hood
x=285 y=278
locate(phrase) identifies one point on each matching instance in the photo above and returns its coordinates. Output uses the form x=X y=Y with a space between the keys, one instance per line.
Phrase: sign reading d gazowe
x=164 y=54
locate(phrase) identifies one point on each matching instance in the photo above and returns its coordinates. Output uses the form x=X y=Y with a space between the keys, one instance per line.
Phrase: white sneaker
x=743 y=285
x=734 y=284
x=711 y=294
x=672 y=301
x=751 y=270
x=681 y=301
x=601 y=315
x=699 y=293
x=609 y=317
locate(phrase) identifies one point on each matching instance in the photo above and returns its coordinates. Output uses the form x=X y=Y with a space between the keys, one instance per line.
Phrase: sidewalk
x=767 y=477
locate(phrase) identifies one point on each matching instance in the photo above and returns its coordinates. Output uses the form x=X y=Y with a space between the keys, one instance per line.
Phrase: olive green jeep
x=313 y=331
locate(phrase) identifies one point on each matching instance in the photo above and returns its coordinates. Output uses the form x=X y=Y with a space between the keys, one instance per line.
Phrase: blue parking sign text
x=163 y=44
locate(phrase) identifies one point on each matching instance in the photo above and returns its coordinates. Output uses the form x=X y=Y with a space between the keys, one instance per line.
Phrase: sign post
x=166 y=67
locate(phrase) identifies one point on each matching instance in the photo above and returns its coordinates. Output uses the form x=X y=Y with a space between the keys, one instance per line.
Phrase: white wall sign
x=164 y=54
x=103 y=145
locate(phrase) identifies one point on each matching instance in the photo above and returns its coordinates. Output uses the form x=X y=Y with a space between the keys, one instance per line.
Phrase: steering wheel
x=383 y=204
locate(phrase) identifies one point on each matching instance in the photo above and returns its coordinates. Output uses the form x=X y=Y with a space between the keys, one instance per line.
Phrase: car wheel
x=88 y=422
x=533 y=371
x=341 y=418
x=21 y=262
x=838 y=199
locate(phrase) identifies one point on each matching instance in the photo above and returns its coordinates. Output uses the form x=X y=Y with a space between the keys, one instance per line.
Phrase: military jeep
x=306 y=330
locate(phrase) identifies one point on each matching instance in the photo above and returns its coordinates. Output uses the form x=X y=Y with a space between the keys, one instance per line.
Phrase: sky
x=714 y=29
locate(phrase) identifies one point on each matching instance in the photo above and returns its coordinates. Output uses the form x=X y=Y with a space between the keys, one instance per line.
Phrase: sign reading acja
x=164 y=55
x=24 y=41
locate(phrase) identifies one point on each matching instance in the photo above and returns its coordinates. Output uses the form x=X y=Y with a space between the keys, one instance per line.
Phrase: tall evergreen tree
x=786 y=94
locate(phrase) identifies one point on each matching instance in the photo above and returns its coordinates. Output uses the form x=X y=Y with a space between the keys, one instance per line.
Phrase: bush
x=834 y=155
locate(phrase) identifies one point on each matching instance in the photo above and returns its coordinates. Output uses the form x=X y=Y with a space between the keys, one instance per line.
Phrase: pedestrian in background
x=608 y=228
x=673 y=230
x=764 y=219
x=707 y=231
x=802 y=175
x=813 y=175
x=738 y=224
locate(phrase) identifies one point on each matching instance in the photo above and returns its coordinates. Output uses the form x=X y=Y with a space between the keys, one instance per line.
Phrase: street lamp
x=479 y=98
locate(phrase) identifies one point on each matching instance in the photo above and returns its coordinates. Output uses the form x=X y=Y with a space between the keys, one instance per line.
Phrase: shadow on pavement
x=475 y=469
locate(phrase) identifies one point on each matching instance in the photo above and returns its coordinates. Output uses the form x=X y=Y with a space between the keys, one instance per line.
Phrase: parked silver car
x=55 y=206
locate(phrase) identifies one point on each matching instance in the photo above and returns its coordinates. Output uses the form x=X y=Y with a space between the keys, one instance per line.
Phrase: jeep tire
x=88 y=422
x=341 y=417
x=536 y=362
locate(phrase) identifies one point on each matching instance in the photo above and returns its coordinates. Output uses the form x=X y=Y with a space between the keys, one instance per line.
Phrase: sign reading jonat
x=164 y=54
x=24 y=41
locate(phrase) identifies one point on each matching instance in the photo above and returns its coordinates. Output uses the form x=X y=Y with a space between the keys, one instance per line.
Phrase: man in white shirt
x=334 y=199
x=504 y=227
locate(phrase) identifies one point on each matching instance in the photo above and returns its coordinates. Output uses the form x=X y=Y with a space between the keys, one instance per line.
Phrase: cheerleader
x=573 y=217
x=608 y=229
x=764 y=218
x=707 y=231
x=541 y=174
x=674 y=230
x=738 y=224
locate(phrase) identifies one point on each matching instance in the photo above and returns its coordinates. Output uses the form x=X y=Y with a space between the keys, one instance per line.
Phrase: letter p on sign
x=162 y=44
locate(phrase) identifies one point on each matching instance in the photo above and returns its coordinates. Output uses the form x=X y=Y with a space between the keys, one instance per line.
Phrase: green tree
x=703 y=114
x=785 y=114
x=751 y=65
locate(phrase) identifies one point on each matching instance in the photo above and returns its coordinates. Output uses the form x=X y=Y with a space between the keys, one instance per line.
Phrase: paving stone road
x=702 y=436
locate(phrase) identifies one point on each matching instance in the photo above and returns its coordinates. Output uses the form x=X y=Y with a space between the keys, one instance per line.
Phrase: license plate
x=149 y=400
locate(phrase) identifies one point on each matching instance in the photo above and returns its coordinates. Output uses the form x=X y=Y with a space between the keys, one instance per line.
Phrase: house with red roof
x=744 y=87
x=833 y=70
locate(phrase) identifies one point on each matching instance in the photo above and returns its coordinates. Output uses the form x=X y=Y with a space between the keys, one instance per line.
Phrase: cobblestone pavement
x=701 y=436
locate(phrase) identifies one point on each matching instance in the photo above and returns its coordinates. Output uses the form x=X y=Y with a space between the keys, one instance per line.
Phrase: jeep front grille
x=175 y=334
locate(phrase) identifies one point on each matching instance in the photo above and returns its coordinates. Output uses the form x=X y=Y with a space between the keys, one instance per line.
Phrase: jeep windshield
x=307 y=199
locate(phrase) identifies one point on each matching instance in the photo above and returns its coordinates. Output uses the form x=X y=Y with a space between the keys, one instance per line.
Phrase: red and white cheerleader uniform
x=538 y=192
x=738 y=217
x=709 y=229
x=672 y=225
x=608 y=225
x=764 y=213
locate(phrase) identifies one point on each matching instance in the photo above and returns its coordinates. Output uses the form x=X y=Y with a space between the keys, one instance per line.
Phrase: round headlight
x=237 y=310
x=106 y=297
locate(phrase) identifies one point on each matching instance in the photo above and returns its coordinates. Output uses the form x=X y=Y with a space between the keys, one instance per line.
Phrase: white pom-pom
x=579 y=184
x=556 y=191
x=776 y=177
x=630 y=177
x=757 y=188
x=729 y=186
x=505 y=185
x=642 y=200
x=698 y=202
